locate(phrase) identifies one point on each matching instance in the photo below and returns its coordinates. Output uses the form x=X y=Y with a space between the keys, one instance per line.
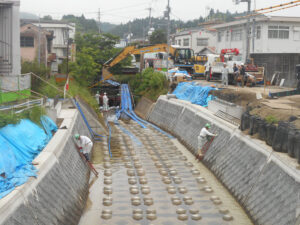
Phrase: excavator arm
x=132 y=50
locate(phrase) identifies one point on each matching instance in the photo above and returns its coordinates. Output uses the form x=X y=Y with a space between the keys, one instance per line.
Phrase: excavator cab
x=183 y=56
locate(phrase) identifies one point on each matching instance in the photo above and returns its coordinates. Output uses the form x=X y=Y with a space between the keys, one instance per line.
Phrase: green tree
x=47 y=17
x=158 y=37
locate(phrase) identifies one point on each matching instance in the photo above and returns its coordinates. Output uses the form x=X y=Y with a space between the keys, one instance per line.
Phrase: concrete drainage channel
x=156 y=181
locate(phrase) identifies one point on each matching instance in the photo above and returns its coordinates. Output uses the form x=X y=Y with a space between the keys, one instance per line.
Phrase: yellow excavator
x=183 y=58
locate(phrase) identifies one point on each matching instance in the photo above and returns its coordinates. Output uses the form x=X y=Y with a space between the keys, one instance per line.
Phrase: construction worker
x=97 y=96
x=105 y=102
x=236 y=73
x=225 y=72
x=243 y=75
x=86 y=145
x=204 y=137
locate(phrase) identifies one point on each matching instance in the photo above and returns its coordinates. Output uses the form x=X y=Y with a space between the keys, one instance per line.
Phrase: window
x=258 y=32
x=227 y=35
x=186 y=42
x=219 y=36
x=297 y=33
x=278 y=32
x=236 y=35
x=27 y=42
x=202 y=42
x=179 y=42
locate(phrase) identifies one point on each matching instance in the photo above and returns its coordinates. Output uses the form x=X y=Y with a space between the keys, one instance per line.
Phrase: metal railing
x=18 y=108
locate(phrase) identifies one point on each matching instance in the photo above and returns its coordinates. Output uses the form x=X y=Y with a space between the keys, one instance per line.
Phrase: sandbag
x=280 y=139
x=254 y=121
x=262 y=130
x=271 y=129
x=291 y=142
x=245 y=121
x=297 y=146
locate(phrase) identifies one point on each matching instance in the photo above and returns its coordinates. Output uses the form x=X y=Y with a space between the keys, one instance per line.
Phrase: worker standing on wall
x=243 y=75
x=97 y=96
x=105 y=102
x=85 y=145
x=235 y=73
x=204 y=137
x=225 y=75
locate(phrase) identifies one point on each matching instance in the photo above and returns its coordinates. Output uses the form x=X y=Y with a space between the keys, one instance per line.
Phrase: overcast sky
x=117 y=11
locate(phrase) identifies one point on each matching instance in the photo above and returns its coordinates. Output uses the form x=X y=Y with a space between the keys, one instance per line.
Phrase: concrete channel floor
x=153 y=179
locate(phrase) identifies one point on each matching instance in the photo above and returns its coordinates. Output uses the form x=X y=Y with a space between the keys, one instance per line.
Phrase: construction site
x=201 y=126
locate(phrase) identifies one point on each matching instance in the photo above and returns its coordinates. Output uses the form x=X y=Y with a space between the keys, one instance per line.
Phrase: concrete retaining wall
x=58 y=194
x=144 y=108
x=265 y=186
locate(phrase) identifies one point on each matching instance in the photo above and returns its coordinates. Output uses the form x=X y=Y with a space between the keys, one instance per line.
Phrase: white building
x=274 y=43
x=198 y=39
x=61 y=32
x=10 y=63
x=13 y=85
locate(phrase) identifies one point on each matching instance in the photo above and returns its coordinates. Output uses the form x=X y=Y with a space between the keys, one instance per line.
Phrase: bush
x=271 y=119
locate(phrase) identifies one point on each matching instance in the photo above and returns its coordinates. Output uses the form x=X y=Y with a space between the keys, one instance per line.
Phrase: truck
x=215 y=64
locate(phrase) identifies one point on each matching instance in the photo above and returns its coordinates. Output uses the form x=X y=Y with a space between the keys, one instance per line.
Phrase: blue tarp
x=194 y=93
x=19 y=145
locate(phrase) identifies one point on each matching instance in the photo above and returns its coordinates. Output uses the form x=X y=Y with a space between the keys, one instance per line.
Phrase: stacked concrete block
x=268 y=189
x=58 y=195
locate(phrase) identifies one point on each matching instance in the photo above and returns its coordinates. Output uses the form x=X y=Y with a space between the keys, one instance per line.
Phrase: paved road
x=153 y=179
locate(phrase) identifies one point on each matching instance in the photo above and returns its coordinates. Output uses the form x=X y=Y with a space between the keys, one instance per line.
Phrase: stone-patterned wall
x=268 y=189
x=58 y=195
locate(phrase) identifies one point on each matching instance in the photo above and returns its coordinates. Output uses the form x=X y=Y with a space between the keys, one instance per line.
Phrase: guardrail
x=18 y=108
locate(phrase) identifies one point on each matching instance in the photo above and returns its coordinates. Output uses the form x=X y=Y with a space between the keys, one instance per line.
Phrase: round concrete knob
x=151 y=216
x=136 y=202
x=128 y=165
x=224 y=211
x=227 y=217
x=107 y=190
x=137 y=211
x=182 y=217
x=177 y=180
x=217 y=202
x=106 y=211
x=107 y=173
x=131 y=172
x=182 y=190
x=180 y=211
x=195 y=172
x=107 y=180
x=185 y=198
x=214 y=198
x=107 y=165
x=137 y=165
x=163 y=172
x=194 y=211
x=189 y=202
x=143 y=180
x=132 y=180
x=106 y=216
x=169 y=165
x=134 y=191
x=173 y=172
x=167 y=180
x=141 y=172
x=196 y=217
x=137 y=216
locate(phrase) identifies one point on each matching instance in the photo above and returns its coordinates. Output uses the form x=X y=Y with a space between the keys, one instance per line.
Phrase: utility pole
x=99 y=26
x=168 y=35
x=247 y=28
x=39 y=42
x=150 y=19
x=248 y=31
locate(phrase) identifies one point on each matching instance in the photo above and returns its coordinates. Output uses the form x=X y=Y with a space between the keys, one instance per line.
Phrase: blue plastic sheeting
x=114 y=83
x=179 y=71
x=126 y=108
x=193 y=93
x=19 y=145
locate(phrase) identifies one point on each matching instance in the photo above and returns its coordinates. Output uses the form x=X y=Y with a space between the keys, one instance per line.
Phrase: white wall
x=202 y=34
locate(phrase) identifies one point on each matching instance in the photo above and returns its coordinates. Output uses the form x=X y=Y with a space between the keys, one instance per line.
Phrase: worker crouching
x=85 y=145
x=204 y=140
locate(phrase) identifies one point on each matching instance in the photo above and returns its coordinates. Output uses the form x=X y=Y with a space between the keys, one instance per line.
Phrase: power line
x=277 y=6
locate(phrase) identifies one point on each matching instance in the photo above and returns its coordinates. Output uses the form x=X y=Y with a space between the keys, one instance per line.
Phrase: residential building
x=13 y=85
x=62 y=32
x=36 y=44
x=199 y=38
x=274 y=43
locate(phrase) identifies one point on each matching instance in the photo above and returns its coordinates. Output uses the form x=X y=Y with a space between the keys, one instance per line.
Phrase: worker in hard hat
x=105 y=102
x=204 y=137
x=85 y=145
x=225 y=72
x=97 y=96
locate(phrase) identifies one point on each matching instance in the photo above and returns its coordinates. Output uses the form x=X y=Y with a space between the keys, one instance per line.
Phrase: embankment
x=266 y=186
x=58 y=194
